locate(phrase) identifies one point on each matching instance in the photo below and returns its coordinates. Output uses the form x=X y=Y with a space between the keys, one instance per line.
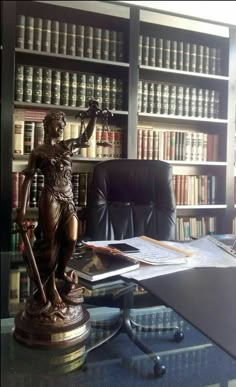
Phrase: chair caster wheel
x=159 y=370
x=178 y=336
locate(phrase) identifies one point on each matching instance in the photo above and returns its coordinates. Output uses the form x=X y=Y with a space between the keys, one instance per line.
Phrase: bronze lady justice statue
x=57 y=230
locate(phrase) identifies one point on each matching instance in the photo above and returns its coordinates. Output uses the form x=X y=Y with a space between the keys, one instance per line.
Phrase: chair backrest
x=131 y=198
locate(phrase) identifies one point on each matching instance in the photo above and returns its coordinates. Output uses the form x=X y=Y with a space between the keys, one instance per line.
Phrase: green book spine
x=81 y=89
x=180 y=56
x=120 y=52
x=37 y=84
x=38 y=29
x=212 y=103
x=173 y=54
x=120 y=94
x=218 y=62
x=145 y=50
x=193 y=101
x=165 y=99
x=19 y=82
x=113 y=92
x=152 y=51
x=193 y=57
x=166 y=54
x=212 y=60
x=28 y=136
x=206 y=60
x=64 y=88
x=89 y=93
x=173 y=92
x=158 y=98
x=88 y=42
x=20 y=31
x=144 y=96
x=47 y=86
x=150 y=101
x=105 y=45
x=140 y=49
x=72 y=89
x=29 y=32
x=105 y=92
x=186 y=102
x=217 y=105
x=71 y=39
x=56 y=87
x=98 y=89
x=206 y=103
x=38 y=134
x=62 y=38
x=97 y=43
x=186 y=56
x=112 y=45
x=159 y=53
x=140 y=86
x=46 y=35
x=199 y=111
x=33 y=192
x=199 y=66
x=179 y=100
x=28 y=84
x=55 y=37
x=80 y=40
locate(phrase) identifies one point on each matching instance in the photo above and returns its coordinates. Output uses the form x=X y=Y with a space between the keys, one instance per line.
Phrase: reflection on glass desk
x=195 y=362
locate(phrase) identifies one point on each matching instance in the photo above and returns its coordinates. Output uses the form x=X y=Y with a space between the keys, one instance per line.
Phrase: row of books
x=194 y=227
x=80 y=187
x=53 y=36
x=29 y=134
x=195 y=190
x=180 y=100
x=75 y=89
x=154 y=144
x=179 y=55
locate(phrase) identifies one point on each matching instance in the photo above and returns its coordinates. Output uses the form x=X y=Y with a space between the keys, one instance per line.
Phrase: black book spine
x=172 y=109
x=193 y=102
x=144 y=96
x=158 y=98
x=28 y=136
x=150 y=101
x=218 y=62
x=47 y=86
x=79 y=40
x=113 y=92
x=88 y=42
x=180 y=56
x=55 y=37
x=193 y=57
x=152 y=51
x=166 y=54
x=64 y=88
x=29 y=32
x=145 y=50
x=72 y=89
x=46 y=35
x=28 y=84
x=159 y=53
x=56 y=87
x=140 y=86
x=199 y=66
x=120 y=52
x=33 y=192
x=179 y=100
x=105 y=45
x=186 y=56
x=120 y=94
x=97 y=43
x=186 y=101
x=105 y=92
x=37 y=84
x=81 y=90
x=212 y=60
x=212 y=103
x=38 y=134
x=71 y=39
x=217 y=105
x=38 y=28
x=165 y=99
x=173 y=54
x=199 y=111
x=62 y=37
x=98 y=89
x=112 y=45
x=19 y=82
x=206 y=60
x=206 y=103
x=83 y=186
x=89 y=88
x=140 y=50
x=20 y=31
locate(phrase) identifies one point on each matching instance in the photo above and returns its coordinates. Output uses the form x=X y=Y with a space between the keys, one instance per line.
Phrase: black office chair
x=131 y=198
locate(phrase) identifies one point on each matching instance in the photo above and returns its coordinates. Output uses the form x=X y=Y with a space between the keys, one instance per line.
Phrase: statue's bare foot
x=55 y=298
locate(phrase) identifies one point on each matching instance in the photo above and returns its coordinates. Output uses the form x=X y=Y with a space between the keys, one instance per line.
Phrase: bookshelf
x=153 y=99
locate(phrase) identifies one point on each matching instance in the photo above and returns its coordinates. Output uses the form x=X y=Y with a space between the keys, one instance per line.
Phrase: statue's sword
x=31 y=260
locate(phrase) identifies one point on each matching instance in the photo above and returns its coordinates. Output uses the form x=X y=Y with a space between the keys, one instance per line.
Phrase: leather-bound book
x=55 y=37
x=79 y=40
x=28 y=84
x=46 y=35
x=56 y=87
x=38 y=29
x=37 y=84
x=71 y=39
x=20 y=31
x=29 y=32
